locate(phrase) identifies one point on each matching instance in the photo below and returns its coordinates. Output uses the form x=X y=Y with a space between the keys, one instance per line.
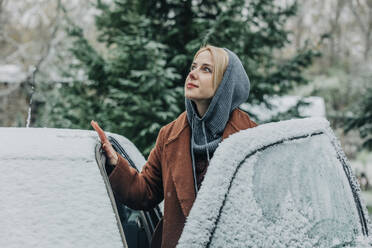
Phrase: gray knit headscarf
x=206 y=131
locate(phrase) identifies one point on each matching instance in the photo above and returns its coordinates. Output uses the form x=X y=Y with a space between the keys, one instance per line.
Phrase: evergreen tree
x=130 y=90
x=362 y=119
x=255 y=30
x=136 y=86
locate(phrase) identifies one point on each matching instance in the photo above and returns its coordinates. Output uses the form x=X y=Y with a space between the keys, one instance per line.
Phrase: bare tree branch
x=357 y=16
x=369 y=30
x=335 y=31
x=52 y=36
x=365 y=27
x=31 y=77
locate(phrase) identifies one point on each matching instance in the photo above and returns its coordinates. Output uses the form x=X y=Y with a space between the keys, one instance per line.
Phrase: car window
x=130 y=149
x=296 y=194
x=135 y=226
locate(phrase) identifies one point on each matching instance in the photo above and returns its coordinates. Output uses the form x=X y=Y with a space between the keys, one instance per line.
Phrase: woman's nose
x=192 y=74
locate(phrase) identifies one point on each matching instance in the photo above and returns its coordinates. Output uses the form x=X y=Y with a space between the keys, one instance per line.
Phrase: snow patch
x=12 y=74
x=281 y=104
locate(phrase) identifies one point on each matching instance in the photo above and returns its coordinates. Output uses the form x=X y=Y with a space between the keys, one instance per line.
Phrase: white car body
x=284 y=184
x=54 y=193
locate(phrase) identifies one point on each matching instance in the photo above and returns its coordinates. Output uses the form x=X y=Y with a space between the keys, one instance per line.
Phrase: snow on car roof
x=52 y=193
x=54 y=142
x=46 y=143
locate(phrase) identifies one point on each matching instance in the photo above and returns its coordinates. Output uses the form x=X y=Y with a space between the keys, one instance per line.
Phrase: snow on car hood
x=52 y=193
x=228 y=156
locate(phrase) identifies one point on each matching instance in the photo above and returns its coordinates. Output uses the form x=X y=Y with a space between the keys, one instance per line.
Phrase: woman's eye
x=192 y=68
x=207 y=69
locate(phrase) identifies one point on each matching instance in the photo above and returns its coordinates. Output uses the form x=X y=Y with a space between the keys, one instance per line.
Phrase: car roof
x=46 y=142
x=52 y=193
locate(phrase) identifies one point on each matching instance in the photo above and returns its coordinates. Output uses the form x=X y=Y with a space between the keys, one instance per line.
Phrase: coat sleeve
x=142 y=190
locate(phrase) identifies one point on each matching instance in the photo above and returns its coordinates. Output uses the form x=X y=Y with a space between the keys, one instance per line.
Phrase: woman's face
x=199 y=82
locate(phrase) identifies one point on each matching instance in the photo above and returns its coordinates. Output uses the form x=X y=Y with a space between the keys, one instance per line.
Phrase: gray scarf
x=206 y=131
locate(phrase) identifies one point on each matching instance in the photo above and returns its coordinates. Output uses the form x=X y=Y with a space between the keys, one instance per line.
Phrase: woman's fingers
x=106 y=146
x=100 y=132
x=110 y=153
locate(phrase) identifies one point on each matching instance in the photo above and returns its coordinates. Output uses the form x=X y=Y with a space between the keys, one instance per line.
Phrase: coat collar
x=179 y=125
x=179 y=157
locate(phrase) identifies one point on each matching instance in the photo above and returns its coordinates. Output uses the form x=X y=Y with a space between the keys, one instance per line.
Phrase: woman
x=214 y=88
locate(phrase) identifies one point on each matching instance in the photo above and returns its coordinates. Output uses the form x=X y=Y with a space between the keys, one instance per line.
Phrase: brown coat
x=168 y=174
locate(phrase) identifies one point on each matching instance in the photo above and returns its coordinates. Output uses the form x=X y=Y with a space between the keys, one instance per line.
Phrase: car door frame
x=101 y=161
x=152 y=217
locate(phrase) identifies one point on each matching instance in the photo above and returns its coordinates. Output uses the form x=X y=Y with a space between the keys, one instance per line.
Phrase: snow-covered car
x=285 y=184
x=54 y=192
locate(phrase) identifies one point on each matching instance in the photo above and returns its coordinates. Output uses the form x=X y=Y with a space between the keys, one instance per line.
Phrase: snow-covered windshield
x=294 y=194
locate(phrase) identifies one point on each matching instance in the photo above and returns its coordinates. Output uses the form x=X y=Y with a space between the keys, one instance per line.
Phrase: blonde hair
x=220 y=59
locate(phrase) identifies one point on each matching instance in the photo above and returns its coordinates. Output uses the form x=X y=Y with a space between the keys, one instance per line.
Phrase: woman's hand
x=106 y=146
